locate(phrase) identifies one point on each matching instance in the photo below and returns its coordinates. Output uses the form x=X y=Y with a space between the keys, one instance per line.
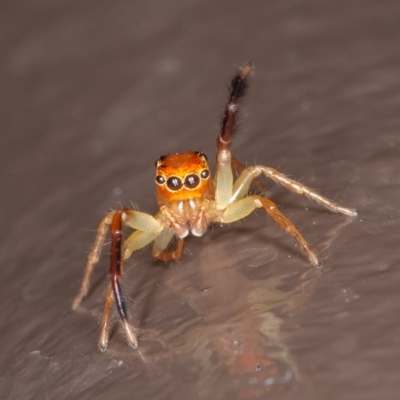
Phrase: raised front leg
x=242 y=186
x=224 y=176
x=242 y=208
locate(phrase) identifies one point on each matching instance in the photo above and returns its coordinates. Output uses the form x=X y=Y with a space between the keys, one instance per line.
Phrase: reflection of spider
x=189 y=201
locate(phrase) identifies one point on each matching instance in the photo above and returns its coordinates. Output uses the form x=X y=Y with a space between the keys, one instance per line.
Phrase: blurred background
x=94 y=92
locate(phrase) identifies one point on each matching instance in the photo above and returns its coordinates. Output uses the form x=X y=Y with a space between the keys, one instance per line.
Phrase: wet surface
x=93 y=93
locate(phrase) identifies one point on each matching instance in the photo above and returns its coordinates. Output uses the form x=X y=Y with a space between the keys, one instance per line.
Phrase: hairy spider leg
x=147 y=230
x=231 y=198
x=105 y=319
x=238 y=168
x=224 y=175
x=115 y=294
x=135 y=219
x=245 y=206
x=93 y=258
x=238 y=88
x=242 y=186
x=150 y=229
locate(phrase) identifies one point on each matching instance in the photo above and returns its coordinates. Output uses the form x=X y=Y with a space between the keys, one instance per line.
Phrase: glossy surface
x=93 y=93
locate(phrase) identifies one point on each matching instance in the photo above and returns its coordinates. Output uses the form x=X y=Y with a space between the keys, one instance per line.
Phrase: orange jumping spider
x=190 y=200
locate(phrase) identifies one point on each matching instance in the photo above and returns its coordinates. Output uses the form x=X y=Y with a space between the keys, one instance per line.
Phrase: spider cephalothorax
x=190 y=199
x=182 y=177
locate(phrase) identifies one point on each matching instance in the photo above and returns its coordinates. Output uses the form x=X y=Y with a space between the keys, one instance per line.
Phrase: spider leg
x=224 y=176
x=162 y=242
x=243 y=207
x=238 y=88
x=148 y=228
x=115 y=276
x=119 y=252
x=142 y=221
x=238 y=167
x=242 y=186
x=105 y=319
x=93 y=258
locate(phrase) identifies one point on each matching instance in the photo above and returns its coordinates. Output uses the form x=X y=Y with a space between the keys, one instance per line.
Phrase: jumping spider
x=190 y=200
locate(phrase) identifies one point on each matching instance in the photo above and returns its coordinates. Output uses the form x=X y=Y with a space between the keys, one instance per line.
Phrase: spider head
x=183 y=177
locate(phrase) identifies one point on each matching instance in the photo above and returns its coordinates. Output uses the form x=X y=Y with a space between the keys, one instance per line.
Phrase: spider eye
x=174 y=183
x=160 y=179
x=192 y=181
x=203 y=156
x=205 y=173
x=160 y=160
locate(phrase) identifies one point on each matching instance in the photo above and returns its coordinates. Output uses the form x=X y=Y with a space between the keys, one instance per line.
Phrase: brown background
x=93 y=92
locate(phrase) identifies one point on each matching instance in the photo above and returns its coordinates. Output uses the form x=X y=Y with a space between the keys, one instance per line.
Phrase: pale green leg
x=142 y=221
x=242 y=208
x=242 y=186
x=162 y=242
x=136 y=241
x=223 y=180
